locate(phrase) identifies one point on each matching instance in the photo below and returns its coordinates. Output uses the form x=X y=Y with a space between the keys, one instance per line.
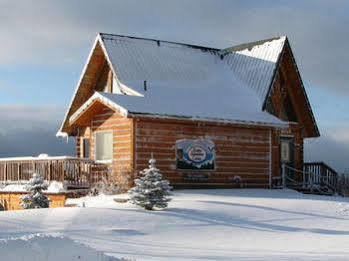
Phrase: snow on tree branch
x=150 y=190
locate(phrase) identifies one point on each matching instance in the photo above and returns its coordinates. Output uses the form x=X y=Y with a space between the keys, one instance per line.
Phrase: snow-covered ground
x=47 y=247
x=53 y=187
x=237 y=224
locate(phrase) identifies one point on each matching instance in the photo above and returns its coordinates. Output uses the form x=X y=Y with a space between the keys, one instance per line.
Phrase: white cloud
x=60 y=32
x=16 y=117
x=340 y=135
x=29 y=131
x=38 y=32
x=329 y=148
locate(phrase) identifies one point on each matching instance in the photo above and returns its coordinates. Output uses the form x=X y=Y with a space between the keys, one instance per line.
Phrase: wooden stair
x=318 y=179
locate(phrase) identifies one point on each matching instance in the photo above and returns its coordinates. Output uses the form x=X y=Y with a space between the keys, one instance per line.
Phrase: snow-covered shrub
x=103 y=187
x=124 y=180
x=111 y=186
x=35 y=198
x=115 y=182
x=150 y=190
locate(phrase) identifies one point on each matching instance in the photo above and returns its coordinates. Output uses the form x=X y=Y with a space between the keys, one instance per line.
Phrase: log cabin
x=210 y=117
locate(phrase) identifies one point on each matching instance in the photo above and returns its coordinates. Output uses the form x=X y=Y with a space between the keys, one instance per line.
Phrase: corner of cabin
x=288 y=101
x=106 y=136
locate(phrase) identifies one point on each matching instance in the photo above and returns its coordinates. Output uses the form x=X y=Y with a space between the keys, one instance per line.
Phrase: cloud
x=340 y=135
x=330 y=149
x=60 y=32
x=30 y=131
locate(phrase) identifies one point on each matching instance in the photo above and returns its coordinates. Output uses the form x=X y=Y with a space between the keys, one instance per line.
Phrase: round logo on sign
x=197 y=154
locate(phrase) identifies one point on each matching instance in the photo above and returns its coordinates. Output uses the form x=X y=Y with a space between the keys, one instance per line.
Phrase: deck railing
x=315 y=177
x=74 y=172
x=322 y=174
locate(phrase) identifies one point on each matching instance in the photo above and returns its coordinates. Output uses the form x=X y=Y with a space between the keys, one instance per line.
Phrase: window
x=285 y=152
x=85 y=148
x=104 y=146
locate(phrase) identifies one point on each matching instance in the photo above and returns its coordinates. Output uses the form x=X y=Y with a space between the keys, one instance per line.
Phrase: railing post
x=303 y=181
x=283 y=175
x=18 y=172
x=6 y=172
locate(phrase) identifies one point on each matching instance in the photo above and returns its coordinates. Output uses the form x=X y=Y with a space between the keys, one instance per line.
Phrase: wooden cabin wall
x=240 y=150
x=122 y=128
x=296 y=132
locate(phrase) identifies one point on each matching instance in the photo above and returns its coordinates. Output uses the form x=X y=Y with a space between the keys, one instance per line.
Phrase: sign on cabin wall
x=196 y=154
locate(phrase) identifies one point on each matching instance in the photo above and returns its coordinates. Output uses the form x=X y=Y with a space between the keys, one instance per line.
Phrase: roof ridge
x=158 y=41
x=250 y=45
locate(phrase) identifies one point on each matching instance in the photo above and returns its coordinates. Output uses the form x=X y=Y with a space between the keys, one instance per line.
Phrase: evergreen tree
x=35 y=198
x=150 y=190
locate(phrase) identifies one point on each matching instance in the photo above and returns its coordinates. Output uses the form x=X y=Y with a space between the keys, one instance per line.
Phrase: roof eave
x=316 y=132
x=62 y=129
x=208 y=119
x=97 y=97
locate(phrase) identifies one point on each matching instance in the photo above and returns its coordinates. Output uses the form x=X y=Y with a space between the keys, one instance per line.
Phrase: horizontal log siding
x=12 y=200
x=122 y=129
x=240 y=151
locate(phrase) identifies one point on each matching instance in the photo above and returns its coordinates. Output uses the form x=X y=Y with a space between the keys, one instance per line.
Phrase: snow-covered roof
x=181 y=104
x=171 y=64
x=191 y=81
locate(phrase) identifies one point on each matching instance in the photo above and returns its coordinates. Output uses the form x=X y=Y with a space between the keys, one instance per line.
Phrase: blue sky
x=45 y=45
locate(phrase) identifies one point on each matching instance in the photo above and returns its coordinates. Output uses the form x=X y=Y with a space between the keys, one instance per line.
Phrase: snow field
x=232 y=224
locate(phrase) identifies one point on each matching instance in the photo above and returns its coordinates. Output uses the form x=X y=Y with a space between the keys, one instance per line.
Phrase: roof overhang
x=315 y=130
x=65 y=129
x=94 y=105
x=312 y=132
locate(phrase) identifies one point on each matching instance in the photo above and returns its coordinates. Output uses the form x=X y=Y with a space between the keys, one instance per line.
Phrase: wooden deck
x=75 y=172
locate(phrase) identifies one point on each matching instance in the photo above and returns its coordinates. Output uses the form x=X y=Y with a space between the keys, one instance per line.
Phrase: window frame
x=95 y=146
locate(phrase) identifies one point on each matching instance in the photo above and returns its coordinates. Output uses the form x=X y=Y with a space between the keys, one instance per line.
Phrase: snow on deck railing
x=76 y=172
x=30 y=158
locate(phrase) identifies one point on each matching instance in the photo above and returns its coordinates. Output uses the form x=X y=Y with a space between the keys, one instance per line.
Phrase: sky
x=45 y=44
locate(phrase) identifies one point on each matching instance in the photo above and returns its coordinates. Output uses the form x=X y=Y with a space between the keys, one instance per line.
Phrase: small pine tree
x=150 y=190
x=35 y=198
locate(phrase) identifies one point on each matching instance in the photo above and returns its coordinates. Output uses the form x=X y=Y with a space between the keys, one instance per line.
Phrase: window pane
x=104 y=145
x=285 y=152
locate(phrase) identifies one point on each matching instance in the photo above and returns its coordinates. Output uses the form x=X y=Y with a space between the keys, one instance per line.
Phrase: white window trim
x=95 y=151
